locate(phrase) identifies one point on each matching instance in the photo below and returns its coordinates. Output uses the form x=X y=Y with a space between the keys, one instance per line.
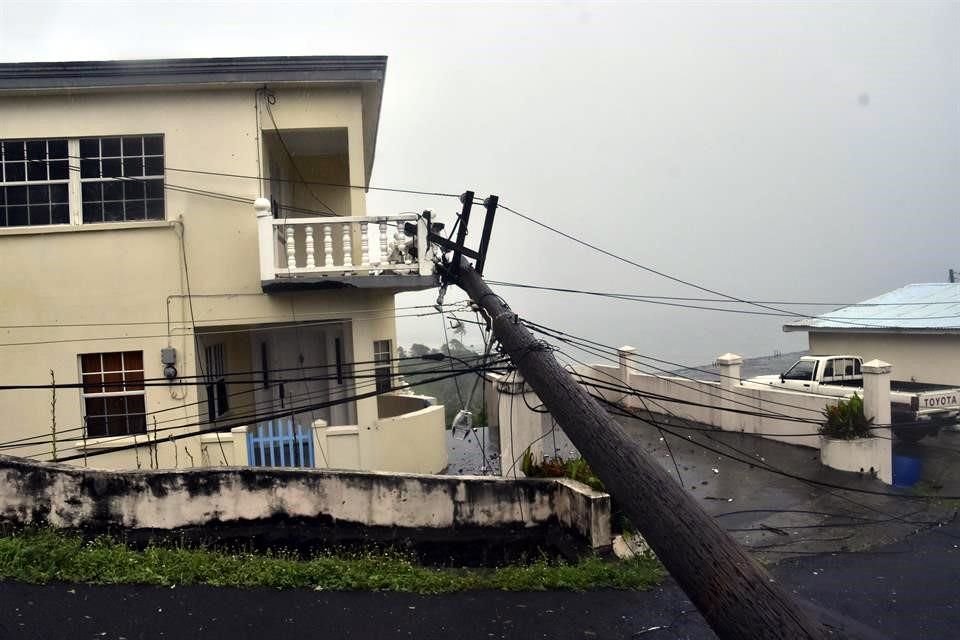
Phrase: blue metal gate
x=280 y=443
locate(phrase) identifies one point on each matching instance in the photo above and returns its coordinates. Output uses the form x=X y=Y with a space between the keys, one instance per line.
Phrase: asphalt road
x=904 y=590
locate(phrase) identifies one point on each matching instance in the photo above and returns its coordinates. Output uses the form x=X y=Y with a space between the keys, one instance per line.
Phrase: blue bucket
x=906 y=471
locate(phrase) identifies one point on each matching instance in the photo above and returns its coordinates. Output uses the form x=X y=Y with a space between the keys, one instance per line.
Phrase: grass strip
x=41 y=556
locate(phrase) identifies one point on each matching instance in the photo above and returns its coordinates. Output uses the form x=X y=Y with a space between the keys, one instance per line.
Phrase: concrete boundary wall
x=710 y=403
x=427 y=506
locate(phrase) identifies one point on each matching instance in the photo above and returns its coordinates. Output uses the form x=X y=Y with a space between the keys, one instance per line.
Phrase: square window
x=92 y=212
x=38 y=193
x=133 y=190
x=16 y=195
x=135 y=209
x=36 y=170
x=89 y=147
x=15 y=171
x=133 y=146
x=132 y=167
x=59 y=170
x=40 y=214
x=36 y=150
x=91 y=191
x=112 y=167
x=89 y=168
x=60 y=214
x=113 y=211
x=14 y=150
x=110 y=147
x=154 y=188
x=59 y=193
x=113 y=190
x=155 y=210
x=16 y=216
x=153 y=145
x=153 y=166
x=57 y=149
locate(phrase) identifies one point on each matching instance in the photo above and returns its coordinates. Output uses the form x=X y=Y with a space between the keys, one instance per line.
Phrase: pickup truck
x=917 y=409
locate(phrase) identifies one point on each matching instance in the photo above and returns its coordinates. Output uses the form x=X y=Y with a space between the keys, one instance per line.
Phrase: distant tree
x=419 y=350
x=401 y=352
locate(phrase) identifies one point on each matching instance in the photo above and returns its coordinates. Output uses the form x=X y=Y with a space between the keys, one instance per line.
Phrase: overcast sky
x=798 y=151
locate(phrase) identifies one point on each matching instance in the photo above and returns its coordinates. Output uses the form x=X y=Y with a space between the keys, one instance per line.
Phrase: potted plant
x=846 y=438
x=846 y=420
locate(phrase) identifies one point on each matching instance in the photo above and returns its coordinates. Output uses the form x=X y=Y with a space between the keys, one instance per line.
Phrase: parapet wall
x=44 y=494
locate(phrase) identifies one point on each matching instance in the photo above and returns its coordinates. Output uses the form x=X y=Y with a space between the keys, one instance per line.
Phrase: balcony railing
x=338 y=248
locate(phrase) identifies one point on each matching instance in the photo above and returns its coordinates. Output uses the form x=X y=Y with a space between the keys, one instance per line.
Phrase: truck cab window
x=803 y=370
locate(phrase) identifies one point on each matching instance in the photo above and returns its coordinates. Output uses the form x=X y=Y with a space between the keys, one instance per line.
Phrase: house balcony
x=343 y=252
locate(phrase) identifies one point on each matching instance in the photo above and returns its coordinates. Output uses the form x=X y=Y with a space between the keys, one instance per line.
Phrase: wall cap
x=729 y=359
x=876 y=366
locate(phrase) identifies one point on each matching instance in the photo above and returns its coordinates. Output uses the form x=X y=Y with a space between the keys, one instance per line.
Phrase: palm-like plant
x=846 y=420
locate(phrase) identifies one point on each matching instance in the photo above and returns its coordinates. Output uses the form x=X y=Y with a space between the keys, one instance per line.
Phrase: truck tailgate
x=936 y=401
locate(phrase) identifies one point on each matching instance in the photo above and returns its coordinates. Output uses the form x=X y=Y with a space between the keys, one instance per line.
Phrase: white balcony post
x=291 y=249
x=308 y=245
x=327 y=246
x=426 y=267
x=347 y=245
x=268 y=261
x=384 y=250
x=364 y=245
x=876 y=405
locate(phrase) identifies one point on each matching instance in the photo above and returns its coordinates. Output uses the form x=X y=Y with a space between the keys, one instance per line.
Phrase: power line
x=352 y=376
x=293 y=409
x=658 y=272
x=666 y=301
x=798 y=303
x=246 y=419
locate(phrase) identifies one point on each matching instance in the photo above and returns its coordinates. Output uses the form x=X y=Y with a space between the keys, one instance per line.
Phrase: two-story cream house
x=186 y=252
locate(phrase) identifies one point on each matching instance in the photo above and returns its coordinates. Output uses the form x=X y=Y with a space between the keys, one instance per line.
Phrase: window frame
x=383 y=360
x=215 y=363
x=103 y=384
x=75 y=183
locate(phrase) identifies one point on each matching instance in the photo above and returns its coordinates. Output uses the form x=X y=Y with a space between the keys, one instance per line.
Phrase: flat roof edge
x=190 y=71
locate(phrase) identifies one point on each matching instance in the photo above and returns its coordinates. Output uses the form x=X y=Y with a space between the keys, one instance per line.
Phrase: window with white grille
x=112 y=392
x=34 y=182
x=61 y=181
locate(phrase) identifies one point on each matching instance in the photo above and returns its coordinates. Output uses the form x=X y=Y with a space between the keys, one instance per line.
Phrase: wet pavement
x=906 y=590
x=742 y=483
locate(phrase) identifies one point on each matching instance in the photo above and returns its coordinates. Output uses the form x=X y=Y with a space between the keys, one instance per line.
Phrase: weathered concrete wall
x=33 y=493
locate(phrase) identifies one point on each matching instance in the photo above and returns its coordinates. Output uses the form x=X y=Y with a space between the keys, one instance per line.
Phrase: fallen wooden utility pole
x=736 y=596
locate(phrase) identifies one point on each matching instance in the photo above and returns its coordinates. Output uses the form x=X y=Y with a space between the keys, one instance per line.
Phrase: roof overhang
x=368 y=72
x=898 y=330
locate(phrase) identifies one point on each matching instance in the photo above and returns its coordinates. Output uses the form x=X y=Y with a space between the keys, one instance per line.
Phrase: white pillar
x=265 y=238
x=625 y=355
x=240 y=454
x=520 y=427
x=319 y=429
x=876 y=405
x=732 y=395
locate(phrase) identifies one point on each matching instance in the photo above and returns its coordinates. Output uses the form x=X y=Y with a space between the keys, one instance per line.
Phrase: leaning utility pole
x=736 y=596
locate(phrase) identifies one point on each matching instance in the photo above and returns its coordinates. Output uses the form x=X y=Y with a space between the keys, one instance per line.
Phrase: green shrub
x=846 y=420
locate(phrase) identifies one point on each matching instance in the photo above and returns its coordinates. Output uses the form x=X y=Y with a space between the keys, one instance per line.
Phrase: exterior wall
x=126 y=282
x=928 y=358
x=411 y=443
x=65 y=497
